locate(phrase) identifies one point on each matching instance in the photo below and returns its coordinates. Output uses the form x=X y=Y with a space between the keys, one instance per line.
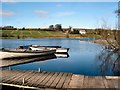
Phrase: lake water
x=83 y=56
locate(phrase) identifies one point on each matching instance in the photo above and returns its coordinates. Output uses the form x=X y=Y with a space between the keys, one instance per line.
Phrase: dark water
x=83 y=56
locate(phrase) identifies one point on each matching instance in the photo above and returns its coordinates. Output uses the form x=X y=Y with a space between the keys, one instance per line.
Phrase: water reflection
x=109 y=61
x=62 y=55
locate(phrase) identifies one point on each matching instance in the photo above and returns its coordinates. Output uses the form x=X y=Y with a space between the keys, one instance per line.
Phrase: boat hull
x=58 y=50
x=10 y=53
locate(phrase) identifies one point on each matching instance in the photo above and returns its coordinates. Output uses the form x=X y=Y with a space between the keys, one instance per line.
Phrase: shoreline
x=73 y=37
x=100 y=41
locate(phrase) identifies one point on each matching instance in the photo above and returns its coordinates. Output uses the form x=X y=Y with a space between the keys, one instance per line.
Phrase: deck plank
x=31 y=78
x=53 y=85
x=42 y=83
x=15 y=79
x=91 y=82
x=116 y=83
x=37 y=83
x=26 y=77
x=7 y=73
x=67 y=81
x=51 y=80
x=113 y=82
x=86 y=82
x=94 y=82
x=62 y=80
x=98 y=82
x=9 y=77
x=110 y=83
x=105 y=82
x=76 y=81
x=35 y=78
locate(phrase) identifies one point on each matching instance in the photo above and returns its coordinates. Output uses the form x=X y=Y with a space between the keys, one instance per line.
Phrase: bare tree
x=110 y=56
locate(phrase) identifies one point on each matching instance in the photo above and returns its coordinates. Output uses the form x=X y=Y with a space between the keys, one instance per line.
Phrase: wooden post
x=39 y=69
x=23 y=80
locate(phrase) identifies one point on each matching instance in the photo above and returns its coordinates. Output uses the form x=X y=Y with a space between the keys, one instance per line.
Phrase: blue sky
x=43 y=14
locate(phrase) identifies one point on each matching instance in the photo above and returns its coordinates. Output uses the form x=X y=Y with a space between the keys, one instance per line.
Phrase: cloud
x=42 y=13
x=7 y=1
x=6 y=13
x=65 y=13
x=59 y=5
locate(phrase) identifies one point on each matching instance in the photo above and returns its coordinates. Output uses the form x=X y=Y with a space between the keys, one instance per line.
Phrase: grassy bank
x=101 y=41
x=40 y=34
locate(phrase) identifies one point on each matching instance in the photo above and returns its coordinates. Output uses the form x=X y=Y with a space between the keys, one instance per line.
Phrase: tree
x=110 y=57
x=23 y=28
x=58 y=27
x=107 y=62
x=9 y=28
x=51 y=27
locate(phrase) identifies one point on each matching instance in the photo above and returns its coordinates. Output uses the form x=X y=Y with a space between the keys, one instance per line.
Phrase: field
x=35 y=34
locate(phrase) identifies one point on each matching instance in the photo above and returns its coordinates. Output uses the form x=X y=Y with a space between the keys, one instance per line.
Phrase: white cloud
x=6 y=13
x=42 y=13
x=65 y=13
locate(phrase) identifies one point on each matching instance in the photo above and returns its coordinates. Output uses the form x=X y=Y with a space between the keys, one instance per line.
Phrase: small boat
x=22 y=53
x=61 y=50
x=16 y=50
x=59 y=55
x=58 y=49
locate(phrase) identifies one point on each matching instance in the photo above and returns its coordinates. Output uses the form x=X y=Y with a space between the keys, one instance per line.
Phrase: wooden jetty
x=57 y=80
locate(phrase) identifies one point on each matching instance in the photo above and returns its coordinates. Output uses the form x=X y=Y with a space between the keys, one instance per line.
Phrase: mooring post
x=39 y=69
x=9 y=68
x=23 y=80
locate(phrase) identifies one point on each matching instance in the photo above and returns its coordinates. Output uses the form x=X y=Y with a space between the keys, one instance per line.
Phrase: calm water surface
x=83 y=56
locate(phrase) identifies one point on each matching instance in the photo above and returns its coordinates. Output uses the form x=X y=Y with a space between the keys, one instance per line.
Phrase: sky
x=59 y=0
x=43 y=14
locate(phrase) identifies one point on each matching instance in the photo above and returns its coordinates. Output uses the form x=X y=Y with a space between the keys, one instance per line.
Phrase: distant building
x=82 y=31
x=9 y=28
x=71 y=29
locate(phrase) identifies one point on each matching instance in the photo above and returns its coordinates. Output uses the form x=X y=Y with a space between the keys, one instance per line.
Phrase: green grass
x=39 y=34
x=30 y=33
x=91 y=35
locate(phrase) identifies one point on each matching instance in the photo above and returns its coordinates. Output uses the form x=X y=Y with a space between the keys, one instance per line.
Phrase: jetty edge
x=57 y=80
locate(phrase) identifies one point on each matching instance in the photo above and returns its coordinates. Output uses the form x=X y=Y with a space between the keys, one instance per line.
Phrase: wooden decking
x=56 y=80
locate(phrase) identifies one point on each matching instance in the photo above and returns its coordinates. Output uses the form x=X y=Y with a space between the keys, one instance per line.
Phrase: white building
x=82 y=31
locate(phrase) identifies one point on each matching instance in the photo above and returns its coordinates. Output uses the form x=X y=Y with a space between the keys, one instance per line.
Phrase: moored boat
x=64 y=55
x=16 y=50
x=22 y=53
x=58 y=49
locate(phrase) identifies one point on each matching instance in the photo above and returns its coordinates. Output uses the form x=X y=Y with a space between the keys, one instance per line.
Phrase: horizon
x=43 y=14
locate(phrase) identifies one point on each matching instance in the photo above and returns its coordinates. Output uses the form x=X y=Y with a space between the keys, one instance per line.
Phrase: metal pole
x=39 y=69
x=23 y=80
